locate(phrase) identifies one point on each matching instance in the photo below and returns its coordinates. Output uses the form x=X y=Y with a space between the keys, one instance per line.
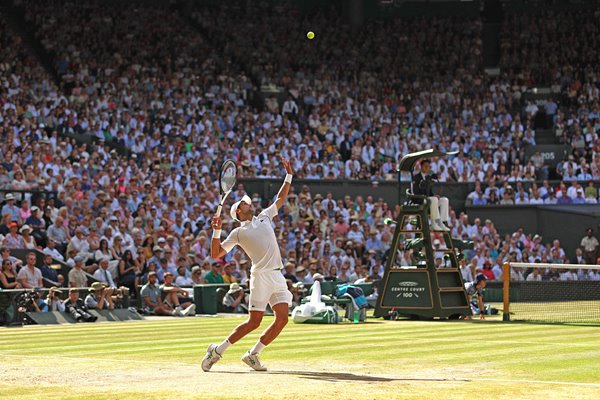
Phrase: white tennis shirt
x=258 y=240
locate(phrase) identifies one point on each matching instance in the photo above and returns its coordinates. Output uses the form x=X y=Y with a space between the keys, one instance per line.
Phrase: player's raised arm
x=285 y=188
x=216 y=251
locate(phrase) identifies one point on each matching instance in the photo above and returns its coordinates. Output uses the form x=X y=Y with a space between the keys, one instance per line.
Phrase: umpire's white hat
x=235 y=206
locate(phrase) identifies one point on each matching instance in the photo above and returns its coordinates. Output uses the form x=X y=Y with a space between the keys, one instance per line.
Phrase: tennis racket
x=226 y=182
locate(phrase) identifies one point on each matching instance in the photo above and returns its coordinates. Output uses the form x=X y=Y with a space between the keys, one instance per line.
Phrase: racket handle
x=218 y=213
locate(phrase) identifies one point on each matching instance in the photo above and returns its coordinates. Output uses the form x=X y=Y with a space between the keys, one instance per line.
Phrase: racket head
x=227 y=176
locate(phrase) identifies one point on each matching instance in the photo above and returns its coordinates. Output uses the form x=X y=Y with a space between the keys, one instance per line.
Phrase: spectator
x=235 y=300
x=177 y=298
x=13 y=240
x=465 y=270
x=103 y=275
x=197 y=276
x=8 y=279
x=214 y=276
x=47 y=271
x=52 y=251
x=77 y=276
x=28 y=240
x=30 y=277
x=128 y=271
x=228 y=274
x=58 y=234
x=182 y=280
x=11 y=209
x=152 y=300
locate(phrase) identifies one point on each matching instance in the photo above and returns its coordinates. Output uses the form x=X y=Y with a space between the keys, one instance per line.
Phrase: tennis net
x=553 y=293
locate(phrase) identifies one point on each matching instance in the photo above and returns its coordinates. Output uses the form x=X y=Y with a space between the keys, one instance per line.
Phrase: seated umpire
x=438 y=206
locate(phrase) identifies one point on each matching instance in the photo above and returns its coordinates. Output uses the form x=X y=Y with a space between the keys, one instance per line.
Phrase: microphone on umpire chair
x=389 y=221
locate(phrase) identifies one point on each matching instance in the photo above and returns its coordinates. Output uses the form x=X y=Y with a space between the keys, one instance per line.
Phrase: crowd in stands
x=343 y=118
x=145 y=79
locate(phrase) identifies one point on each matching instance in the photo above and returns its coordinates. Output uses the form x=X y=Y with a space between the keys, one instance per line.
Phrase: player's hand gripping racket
x=226 y=182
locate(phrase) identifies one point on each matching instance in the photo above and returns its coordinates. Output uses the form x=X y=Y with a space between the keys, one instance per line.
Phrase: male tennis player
x=267 y=284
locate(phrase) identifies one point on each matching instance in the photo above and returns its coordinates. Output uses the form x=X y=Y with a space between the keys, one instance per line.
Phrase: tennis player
x=267 y=284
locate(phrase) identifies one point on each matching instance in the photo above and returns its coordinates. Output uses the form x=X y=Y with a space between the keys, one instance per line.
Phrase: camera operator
x=27 y=301
x=422 y=184
x=53 y=300
x=100 y=297
x=76 y=307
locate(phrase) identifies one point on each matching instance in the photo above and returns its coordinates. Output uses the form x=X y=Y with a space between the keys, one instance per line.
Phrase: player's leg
x=252 y=323
x=281 y=319
x=280 y=301
x=251 y=358
x=259 y=298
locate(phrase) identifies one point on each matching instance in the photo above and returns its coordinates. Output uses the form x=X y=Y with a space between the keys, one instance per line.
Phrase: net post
x=506 y=291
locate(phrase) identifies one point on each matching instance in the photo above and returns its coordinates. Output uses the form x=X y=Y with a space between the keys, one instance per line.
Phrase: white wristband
x=288 y=178
x=216 y=234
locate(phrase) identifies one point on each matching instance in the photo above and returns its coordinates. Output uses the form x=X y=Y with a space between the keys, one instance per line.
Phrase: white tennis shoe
x=211 y=357
x=253 y=361
x=190 y=311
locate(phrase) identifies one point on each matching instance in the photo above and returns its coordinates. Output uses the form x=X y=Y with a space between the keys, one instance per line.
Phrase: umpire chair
x=423 y=289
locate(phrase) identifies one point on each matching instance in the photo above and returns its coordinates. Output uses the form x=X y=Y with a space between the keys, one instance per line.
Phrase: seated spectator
x=197 y=276
x=152 y=298
x=59 y=234
x=103 y=275
x=8 y=279
x=128 y=271
x=215 y=276
x=228 y=276
x=28 y=240
x=177 y=298
x=30 y=277
x=182 y=280
x=13 y=240
x=11 y=209
x=77 y=276
x=53 y=251
x=47 y=271
x=235 y=300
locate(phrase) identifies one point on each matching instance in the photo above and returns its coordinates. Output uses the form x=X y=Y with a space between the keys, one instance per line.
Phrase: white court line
x=296 y=371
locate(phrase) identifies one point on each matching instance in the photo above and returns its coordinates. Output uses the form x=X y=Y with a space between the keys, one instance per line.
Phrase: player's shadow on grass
x=346 y=376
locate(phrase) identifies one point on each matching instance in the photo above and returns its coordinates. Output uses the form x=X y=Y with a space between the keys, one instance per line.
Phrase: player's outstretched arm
x=285 y=188
x=216 y=251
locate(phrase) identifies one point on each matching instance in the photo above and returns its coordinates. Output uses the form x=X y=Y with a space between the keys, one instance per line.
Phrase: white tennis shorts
x=268 y=287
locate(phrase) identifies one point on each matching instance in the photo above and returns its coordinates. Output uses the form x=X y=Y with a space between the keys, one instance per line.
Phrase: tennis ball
x=310 y=35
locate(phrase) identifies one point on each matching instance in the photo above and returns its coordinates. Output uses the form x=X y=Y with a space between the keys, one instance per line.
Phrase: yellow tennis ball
x=310 y=35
